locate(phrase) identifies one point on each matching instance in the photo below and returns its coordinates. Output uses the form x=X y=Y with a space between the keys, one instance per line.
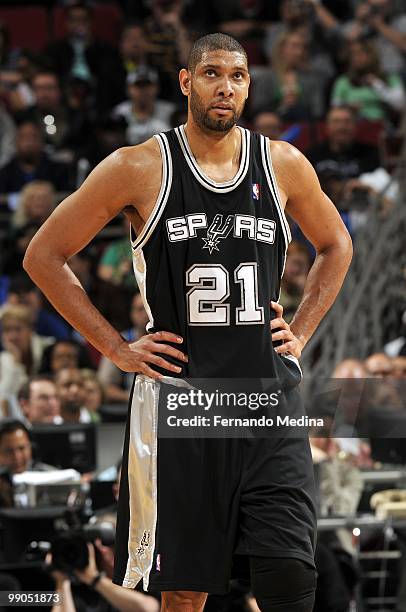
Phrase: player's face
x=218 y=90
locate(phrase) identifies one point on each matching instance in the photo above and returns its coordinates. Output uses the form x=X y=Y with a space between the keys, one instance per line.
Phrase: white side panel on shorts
x=142 y=481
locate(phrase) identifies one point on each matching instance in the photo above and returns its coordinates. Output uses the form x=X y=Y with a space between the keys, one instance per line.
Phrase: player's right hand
x=136 y=356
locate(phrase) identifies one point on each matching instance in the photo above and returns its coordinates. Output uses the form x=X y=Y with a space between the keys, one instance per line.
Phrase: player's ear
x=184 y=80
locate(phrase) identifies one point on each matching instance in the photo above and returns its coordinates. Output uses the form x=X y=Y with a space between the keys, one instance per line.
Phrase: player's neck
x=214 y=147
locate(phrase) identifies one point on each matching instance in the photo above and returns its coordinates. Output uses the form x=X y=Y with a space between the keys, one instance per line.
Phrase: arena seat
x=28 y=26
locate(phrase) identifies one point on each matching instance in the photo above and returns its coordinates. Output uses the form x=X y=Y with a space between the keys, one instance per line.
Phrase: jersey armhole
x=138 y=242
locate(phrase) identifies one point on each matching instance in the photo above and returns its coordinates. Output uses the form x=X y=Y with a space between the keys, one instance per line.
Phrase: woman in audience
x=36 y=202
x=372 y=93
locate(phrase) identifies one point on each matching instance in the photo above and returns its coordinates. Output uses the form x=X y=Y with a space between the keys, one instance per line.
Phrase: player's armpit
x=306 y=203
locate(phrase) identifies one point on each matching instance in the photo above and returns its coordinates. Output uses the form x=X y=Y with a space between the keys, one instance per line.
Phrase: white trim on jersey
x=273 y=185
x=166 y=184
x=203 y=179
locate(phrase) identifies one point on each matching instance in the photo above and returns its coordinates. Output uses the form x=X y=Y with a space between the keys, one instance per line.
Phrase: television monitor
x=69 y=445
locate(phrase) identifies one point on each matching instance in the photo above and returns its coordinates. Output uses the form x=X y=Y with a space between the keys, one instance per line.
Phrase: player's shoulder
x=142 y=157
x=293 y=170
x=285 y=153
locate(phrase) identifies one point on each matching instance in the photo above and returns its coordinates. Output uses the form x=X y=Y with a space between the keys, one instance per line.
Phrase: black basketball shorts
x=186 y=506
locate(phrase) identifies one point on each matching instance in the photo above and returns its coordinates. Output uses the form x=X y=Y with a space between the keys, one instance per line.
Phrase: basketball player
x=207 y=205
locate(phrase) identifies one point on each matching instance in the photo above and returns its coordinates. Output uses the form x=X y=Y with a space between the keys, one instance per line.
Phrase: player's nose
x=225 y=88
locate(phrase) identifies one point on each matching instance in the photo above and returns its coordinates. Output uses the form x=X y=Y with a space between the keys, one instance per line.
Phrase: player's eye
x=238 y=75
x=210 y=72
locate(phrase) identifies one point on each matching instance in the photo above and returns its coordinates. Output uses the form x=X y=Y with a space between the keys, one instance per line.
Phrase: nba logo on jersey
x=255 y=191
x=158 y=563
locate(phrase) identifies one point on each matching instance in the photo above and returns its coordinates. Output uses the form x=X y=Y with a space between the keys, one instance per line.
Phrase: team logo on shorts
x=218 y=230
x=144 y=544
x=255 y=191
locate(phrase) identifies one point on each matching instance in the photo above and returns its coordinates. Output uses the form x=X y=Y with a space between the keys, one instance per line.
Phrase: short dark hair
x=8 y=426
x=213 y=42
x=21 y=285
x=25 y=390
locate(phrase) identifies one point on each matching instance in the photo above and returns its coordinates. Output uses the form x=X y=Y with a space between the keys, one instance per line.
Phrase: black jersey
x=210 y=259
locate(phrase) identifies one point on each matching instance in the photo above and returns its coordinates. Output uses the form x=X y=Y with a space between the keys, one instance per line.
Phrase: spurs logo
x=218 y=230
x=144 y=543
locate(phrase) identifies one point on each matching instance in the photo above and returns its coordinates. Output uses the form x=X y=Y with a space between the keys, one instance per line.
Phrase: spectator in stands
x=317 y=24
x=23 y=291
x=116 y=382
x=377 y=19
x=16 y=448
x=144 y=114
x=104 y=595
x=15 y=92
x=294 y=278
x=351 y=419
x=94 y=393
x=169 y=42
x=341 y=152
x=22 y=348
x=133 y=49
x=38 y=400
x=340 y=488
x=64 y=354
x=379 y=365
x=35 y=204
x=116 y=264
x=374 y=94
x=399 y=367
x=32 y=163
x=289 y=88
x=7 y=137
x=81 y=55
x=70 y=389
x=64 y=127
x=268 y=124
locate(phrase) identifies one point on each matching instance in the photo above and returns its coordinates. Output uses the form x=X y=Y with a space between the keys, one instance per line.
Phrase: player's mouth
x=222 y=109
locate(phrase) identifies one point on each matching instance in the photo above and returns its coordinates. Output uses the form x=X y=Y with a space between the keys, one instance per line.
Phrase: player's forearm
x=63 y=289
x=323 y=283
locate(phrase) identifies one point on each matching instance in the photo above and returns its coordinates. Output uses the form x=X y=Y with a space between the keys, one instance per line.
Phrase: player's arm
x=108 y=189
x=320 y=222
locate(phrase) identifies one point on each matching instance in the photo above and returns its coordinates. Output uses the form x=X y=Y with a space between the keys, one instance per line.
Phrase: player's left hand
x=291 y=345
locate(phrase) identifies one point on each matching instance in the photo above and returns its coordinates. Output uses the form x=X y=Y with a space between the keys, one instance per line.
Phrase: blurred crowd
x=327 y=76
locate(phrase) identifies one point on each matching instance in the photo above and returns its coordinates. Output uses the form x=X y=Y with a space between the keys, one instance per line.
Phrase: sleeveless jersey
x=210 y=258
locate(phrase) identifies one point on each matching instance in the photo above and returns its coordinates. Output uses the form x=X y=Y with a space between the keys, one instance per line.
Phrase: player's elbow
x=35 y=260
x=342 y=246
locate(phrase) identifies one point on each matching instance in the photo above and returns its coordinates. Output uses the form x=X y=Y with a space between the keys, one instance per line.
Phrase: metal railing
x=373 y=296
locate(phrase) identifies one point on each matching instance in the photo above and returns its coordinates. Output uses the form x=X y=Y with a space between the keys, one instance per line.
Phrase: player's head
x=216 y=82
